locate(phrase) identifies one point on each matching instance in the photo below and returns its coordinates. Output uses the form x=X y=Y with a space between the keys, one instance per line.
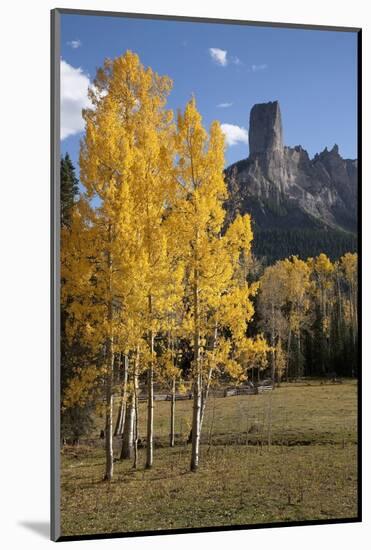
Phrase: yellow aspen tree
x=298 y=285
x=215 y=289
x=349 y=266
x=152 y=195
x=253 y=355
x=322 y=273
x=271 y=301
x=235 y=309
x=285 y=305
x=280 y=360
x=123 y=94
x=322 y=270
x=201 y=214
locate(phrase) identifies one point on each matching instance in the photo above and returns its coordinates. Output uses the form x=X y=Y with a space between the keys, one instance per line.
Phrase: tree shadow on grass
x=41 y=528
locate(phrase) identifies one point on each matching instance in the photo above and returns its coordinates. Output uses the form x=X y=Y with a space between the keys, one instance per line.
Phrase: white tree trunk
x=136 y=411
x=121 y=413
x=149 y=447
x=110 y=356
x=205 y=394
x=172 y=414
x=273 y=343
x=109 y=413
x=127 y=448
x=288 y=355
x=196 y=384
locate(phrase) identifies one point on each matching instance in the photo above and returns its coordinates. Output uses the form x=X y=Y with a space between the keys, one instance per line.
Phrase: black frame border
x=55 y=527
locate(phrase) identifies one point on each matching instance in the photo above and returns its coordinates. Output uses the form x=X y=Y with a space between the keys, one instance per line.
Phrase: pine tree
x=69 y=189
x=76 y=419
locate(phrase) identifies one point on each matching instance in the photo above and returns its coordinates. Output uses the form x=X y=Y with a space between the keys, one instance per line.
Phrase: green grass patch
x=287 y=455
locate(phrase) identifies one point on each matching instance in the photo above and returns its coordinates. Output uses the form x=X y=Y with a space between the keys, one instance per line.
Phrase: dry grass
x=309 y=470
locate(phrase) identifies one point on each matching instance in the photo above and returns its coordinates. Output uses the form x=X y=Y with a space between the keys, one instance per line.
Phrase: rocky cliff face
x=265 y=128
x=283 y=188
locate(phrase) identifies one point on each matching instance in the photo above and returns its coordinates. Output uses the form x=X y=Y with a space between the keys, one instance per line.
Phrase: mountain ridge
x=285 y=190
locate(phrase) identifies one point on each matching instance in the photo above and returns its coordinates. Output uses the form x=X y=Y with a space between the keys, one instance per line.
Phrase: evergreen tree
x=76 y=420
x=69 y=189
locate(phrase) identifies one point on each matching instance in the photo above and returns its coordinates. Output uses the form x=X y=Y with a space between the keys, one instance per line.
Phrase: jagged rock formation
x=287 y=193
x=265 y=128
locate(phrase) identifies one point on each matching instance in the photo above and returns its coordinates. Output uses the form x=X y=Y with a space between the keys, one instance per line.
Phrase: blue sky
x=229 y=68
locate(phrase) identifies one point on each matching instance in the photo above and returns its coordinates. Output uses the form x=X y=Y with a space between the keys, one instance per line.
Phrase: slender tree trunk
x=109 y=414
x=270 y=421
x=125 y=391
x=121 y=414
x=109 y=376
x=149 y=454
x=205 y=392
x=353 y=312
x=355 y=308
x=205 y=396
x=196 y=422
x=172 y=413
x=340 y=313
x=127 y=448
x=197 y=382
x=273 y=343
x=324 y=339
x=279 y=371
x=288 y=355
x=149 y=448
x=136 y=410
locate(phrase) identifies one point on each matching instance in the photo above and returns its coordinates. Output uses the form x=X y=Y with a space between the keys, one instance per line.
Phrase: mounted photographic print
x=205 y=339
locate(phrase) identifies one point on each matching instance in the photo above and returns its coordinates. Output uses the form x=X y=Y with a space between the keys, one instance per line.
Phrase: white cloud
x=256 y=68
x=74 y=44
x=235 y=134
x=219 y=56
x=224 y=105
x=74 y=98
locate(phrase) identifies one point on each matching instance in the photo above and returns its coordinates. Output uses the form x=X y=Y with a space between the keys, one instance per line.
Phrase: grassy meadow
x=286 y=455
